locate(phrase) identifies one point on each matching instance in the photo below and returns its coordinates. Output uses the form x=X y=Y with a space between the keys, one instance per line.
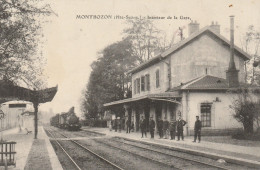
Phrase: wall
x=152 y=70
x=221 y=114
x=12 y=115
x=204 y=52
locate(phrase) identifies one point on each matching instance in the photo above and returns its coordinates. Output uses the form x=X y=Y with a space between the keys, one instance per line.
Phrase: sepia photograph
x=129 y=84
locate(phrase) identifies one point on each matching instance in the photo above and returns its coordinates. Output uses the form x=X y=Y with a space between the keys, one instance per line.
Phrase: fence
x=7 y=153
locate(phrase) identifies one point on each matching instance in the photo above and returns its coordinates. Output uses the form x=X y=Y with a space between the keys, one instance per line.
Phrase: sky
x=73 y=44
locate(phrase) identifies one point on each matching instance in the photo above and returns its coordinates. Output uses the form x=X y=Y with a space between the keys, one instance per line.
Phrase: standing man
x=160 y=127
x=172 y=129
x=180 y=124
x=110 y=125
x=116 y=122
x=197 y=129
x=143 y=126
x=119 y=124
x=151 y=127
x=128 y=126
x=165 y=128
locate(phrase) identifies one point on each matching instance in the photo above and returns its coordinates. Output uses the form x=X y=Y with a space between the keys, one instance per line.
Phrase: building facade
x=13 y=116
x=190 y=79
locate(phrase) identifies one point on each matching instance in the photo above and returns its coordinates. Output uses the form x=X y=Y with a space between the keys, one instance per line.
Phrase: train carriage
x=66 y=120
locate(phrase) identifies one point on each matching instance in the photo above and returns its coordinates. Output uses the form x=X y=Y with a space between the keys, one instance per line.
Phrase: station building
x=15 y=114
x=193 y=78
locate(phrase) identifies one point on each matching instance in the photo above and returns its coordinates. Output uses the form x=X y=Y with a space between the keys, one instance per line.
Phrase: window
x=142 y=83
x=205 y=111
x=157 y=78
x=147 y=82
x=138 y=85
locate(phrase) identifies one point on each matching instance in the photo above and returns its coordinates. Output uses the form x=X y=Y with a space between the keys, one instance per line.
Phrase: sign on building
x=17 y=105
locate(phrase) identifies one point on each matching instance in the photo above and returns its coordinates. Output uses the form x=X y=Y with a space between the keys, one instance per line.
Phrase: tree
x=246 y=110
x=108 y=80
x=251 y=44
x=20 y=35
x=146 y=39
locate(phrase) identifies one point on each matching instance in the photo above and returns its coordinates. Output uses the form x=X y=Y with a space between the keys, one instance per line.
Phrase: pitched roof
x=206 y=82
x=183 y=43
x=209 y=82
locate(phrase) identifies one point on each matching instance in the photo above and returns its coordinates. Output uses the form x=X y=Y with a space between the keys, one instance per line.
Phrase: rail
x=100 y=157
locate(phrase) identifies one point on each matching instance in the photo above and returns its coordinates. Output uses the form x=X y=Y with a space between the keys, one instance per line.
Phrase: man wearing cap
x=180 y=124
x=143 y=126
x=151 y=127
x=116 y=122
x=165 y=128
x=160 y=127
x=197 y=129
x=119 y=124
x=172 y=129
x=128 y=125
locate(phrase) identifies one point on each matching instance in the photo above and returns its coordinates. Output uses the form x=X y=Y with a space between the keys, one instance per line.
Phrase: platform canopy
x=9 y=92
x=165 y=96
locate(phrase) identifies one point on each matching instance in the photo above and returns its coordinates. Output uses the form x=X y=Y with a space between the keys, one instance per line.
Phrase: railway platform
x=247 y=155
x=32 y=153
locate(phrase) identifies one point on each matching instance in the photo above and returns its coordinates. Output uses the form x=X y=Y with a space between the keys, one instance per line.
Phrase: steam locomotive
x=67 y=120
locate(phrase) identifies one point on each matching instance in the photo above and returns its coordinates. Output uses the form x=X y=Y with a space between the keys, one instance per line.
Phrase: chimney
x=215 y=27
x=193 y=27
x=232 y=72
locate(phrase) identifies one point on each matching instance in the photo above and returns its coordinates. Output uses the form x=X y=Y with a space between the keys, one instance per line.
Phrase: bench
x=28 y=131
x=7 y=153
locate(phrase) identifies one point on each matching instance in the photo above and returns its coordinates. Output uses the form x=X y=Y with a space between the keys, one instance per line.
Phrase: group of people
x=166 y=128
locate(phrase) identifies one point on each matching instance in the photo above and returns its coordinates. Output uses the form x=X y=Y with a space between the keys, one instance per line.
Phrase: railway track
x=165 y=163
x=84 y=148
x=207 y=162
x=135 y=145
x=163 y=157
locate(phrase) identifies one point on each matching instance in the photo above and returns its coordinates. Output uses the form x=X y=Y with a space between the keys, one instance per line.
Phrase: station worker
x=165 y=128
x=172 y=129
x=151 y=127
x=143 y=126
x=197 y=129
x=128 y=125
x=119 y=123
x=160 y=127
x=180 y=124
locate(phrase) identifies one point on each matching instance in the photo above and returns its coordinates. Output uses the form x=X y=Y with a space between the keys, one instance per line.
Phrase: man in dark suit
x=180 y=123
x=128 y=125
x=172 y=129
x=197 y=129
x=165 y=128
x=143 y=126
x=160 y=127
x=151 y=127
